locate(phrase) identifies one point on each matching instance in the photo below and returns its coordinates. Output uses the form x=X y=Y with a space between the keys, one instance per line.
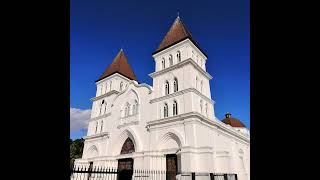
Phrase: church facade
x=170 y=125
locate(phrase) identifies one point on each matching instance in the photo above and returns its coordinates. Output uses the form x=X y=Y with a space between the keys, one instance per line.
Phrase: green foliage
x=76 y=148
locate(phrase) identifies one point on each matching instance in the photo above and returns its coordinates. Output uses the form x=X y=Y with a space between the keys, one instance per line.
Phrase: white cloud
x=79 y=119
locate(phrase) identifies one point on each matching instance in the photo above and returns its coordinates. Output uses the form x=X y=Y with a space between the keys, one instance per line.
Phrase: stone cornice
x=180 y=93
x=100 y=135
x=104 y=95
x=199 y=118
x=100 y=117
x=186 y=41
x=170 y=48
x=181 y=64
x=110 y=77
x=114 y=158
x=155 y=153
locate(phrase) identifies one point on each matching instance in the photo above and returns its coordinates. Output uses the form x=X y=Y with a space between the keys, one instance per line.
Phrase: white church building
x=170 y=125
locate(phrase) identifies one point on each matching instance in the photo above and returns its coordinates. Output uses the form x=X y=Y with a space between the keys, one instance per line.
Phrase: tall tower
x=180 y=81
x=181 y=100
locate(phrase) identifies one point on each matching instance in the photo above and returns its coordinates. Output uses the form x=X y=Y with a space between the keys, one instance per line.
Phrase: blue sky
x=99 y=29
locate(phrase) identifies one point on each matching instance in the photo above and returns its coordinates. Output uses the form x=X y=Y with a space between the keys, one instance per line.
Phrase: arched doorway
x=171 y=166
x=125 y=166
x=171 y=140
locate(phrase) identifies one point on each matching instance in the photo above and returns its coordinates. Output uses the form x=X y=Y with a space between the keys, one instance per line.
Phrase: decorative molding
x=135 y=84
x=100 y=117
x=181 y=93
x=181 y=64
x=128 y=124
x=198 y=118
x=155 y=153
x=100 y=135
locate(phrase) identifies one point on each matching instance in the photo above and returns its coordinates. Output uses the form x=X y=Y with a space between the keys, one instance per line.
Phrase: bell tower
x=180 y=81
x=113 y=80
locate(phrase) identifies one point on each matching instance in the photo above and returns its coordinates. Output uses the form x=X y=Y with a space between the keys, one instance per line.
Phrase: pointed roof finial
x=178 y=14
x=121 y=46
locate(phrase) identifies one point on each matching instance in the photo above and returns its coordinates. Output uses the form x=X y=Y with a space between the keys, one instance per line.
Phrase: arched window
x=101 y=128
x=197 y=82
x=201 y=86
x=127 y=110
x=207 y=109
x=133 y=109
x=121 y=85
x=201 y=63
x=175 y=85
x=96 y=127
x=163 y=63
x=101 y=107
x=106 y=88
x=178 y=56
x=201 y=106
x=101 y=90
x=165 y=110
x=110 y=85
x=175 y=108
x=166 y=88
x=136 y=107
x=170 y=60
x=105 y=108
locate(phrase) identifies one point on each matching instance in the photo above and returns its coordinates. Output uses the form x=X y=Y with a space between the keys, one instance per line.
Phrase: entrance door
x=172 y=166
x=125 y=167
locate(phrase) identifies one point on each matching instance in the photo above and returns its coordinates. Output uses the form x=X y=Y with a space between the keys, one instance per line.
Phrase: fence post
x=211 y=176
x=225 y=176
x=193 y=176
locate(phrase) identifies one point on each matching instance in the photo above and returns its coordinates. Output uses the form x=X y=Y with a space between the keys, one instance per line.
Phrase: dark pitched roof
x=177 y=33
x=119 y=65
x=232 y=121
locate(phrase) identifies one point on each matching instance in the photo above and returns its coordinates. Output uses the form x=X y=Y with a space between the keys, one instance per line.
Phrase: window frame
x=175 y=108
x=165 y=110
x=167 y=88
x=175 y=85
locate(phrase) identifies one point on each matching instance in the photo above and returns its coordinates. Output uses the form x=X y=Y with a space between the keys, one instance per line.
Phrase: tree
x=76 y=149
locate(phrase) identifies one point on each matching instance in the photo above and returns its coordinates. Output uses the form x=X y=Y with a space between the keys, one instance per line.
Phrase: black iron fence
x=103 y=173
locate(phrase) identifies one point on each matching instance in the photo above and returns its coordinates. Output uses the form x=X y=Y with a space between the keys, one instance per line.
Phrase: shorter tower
x=114 y=79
